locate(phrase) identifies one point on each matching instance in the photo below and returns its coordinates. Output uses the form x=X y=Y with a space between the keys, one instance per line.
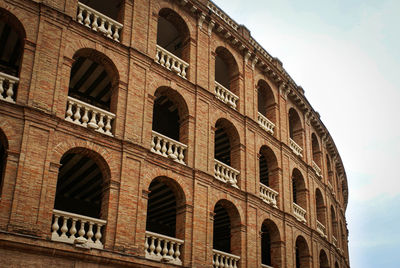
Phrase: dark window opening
x=222 y=75
x=265 y=246
x=222 y=230
x=166 y=118
x=109 y=8
x=222 y=150
x=297 y=257
x=11 y=48
x=294 y=191
x=161 y=209
x=79 y=186
x=264 y=172
x=3 y=159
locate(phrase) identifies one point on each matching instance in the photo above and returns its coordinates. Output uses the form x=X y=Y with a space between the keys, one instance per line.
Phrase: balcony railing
x=334 y=240
x=295 y=147
x=171 y=62
x=225 y=173
x=86 y=115
x=265 y=266
x=321 y=229
x=8 y=84
x=268 y=195
x=168 y=147
x=299 y=213
x=330 y=186
x=98 y=22
x=88 y=235
x=265 y=123
x=224 y=95
x=317 y=169
x=223 y=259
x=163 y=248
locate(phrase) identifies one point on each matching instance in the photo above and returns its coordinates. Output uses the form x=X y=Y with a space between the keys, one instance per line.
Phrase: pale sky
x=346 y=56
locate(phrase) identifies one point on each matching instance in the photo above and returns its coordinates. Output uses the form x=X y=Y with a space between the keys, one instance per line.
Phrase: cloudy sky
x=346 y=56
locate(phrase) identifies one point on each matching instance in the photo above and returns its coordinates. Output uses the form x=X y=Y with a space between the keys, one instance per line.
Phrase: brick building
x=149 y=133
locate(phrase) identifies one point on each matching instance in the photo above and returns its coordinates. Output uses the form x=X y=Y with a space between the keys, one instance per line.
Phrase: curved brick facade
x=280 y=175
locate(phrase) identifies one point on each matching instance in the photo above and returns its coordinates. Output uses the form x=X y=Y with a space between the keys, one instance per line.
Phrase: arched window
x=270 y=244
x=269 y=176
x=226 y=77
x=3 y=158
x=11 y=49
x=316 y=154
x=173 y=42
x=336 y=264
x=81 y=191
x=321 y=222
x=226 y=152
x=170 y=125
x=329 y=167
x=295 y=132
x=299 y=192
x=334 y=226
x=226 y=233
x=323 y=260
x=92 y=93
x=164 y=221
x=302 y=258
x=266 y=106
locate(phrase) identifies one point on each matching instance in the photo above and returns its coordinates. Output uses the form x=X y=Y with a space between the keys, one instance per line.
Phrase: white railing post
x=171 y=62
x=8 y=84
x=265 y=123
x=268 y=195
x=163 y=248
x=69 y=222
x=93 y=19
x=299 y=213
x=89 y=116
x=226 y=96
x=321 y=229
x=168 y=147
x=295 y=147
x=317 y=169
x=226 y=173
x=223 y=259
x=334 y=240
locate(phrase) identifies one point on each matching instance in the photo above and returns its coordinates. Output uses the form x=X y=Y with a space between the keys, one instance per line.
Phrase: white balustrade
x=163 y=248
x=268 y=195
x=295 y=147
x=299 y=213
x=222 y=259
x=8 y=85
x=65 y=229
x=226 y=96
x=226 y=173
x=265 y=123
x=171 y=62
x=317 y=169
x=321 y=229
x=93 y=19
x=330 y=186
x=334 y=240
x=168 y=147
x=86 y=115
x=265 y=266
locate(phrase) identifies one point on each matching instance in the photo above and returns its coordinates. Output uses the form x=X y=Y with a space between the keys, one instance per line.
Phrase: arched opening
x=329 y=167
x=316 y=151
x=226 y=77
x=3 y=158
x=226 y=231
x=320 y=211
x=81 y=198
x=170 y=121
x=12 y=44
x=336 y=264
x=295 y=127
x=92 y=93
x=302 y=258
x=173 y=42
x=270 y=244
x=226 y=152
x=343 y=236
x=334 y=226
x=269 y=175
x=165 y=221
x=112 y=9
x=323 y=260
x=266 y=101
x=299 y=195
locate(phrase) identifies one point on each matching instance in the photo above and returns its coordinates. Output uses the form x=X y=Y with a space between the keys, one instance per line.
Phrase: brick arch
x=191 y=27
x=219 y=115
x=301 y=244
x=10 y=135
x=102 y=156
x=299 y=182
x=217 y=196
x=7 y=15
x=300 y=114
x=323 y=259
x=180 y=99
x=260 y=76
x=276 y=242
x=174 y=185
x=218 y=42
